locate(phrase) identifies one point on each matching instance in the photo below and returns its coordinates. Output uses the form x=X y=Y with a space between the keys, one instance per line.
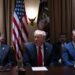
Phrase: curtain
x=8 y=8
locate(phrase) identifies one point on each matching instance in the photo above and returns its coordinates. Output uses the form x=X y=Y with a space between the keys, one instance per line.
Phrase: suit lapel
x=72 y=45
x=3 y=53
x=35 y=53
x=45 y=53
x=71 y=50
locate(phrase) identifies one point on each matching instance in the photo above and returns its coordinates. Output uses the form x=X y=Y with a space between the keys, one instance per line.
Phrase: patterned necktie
x=39 y=56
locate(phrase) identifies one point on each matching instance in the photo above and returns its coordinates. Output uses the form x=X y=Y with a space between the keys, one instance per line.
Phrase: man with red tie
x=39 y=52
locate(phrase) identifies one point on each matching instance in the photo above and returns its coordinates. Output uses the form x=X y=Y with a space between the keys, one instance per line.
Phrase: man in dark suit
x=32 y=56
x=58 y=47
x=7 y=57
x=68 y=56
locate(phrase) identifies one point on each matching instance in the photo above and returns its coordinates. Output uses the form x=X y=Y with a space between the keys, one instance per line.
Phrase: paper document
x=39 y=69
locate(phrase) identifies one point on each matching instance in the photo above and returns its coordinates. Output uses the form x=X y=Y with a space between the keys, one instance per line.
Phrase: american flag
x=19 y=27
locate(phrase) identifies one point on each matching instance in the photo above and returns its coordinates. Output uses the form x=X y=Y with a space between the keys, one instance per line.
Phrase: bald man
x=33 y=56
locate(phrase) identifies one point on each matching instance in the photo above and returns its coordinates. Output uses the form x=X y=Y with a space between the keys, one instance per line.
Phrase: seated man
x=68 y=56
x=39 y=52
x=7 y=57
x=58 y=46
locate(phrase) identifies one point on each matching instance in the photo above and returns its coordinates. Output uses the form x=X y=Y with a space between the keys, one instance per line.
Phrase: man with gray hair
x=39 y=52
x=68 y=55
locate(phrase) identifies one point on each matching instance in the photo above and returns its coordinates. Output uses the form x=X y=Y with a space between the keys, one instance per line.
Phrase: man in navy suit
x=68 y=55
x=31 y=55
x=7 y=57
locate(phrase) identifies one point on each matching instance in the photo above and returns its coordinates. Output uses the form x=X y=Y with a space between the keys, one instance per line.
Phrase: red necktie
x=39 y=56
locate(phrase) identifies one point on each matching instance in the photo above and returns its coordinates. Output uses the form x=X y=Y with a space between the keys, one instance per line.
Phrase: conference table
x=28 y=71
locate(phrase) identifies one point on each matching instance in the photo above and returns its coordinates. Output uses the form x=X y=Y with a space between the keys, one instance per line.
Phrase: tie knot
x=39 y=47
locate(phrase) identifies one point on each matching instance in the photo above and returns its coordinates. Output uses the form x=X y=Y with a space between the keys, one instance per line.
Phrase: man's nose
x=35 y=38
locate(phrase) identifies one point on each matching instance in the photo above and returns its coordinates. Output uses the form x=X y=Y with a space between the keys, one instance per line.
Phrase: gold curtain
x=61 y=19
x=8 y=8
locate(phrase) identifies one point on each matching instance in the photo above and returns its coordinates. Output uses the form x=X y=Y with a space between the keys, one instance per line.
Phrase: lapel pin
x=3 y=48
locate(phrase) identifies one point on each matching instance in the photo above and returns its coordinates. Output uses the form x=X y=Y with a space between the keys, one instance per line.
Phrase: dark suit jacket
x=30 y=54
x=7 y=57
x=69 y=55
x=57 y=53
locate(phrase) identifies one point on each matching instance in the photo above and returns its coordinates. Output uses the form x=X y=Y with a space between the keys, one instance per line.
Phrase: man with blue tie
x=68 y=55
x=39 y=52
x=7 y=57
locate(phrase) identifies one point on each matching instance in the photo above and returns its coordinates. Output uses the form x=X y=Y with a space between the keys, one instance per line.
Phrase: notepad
x=39 y=69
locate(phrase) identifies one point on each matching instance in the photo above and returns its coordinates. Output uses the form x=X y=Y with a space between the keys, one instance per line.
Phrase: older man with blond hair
x=39 y=52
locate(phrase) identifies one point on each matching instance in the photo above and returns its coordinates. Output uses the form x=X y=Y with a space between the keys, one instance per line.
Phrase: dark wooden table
x=51 y=71
x=12 y=71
